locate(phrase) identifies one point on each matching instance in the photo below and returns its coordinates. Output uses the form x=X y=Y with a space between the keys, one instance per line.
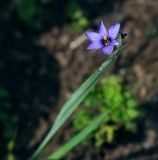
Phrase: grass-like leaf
x=77 y=97
x=62 y=151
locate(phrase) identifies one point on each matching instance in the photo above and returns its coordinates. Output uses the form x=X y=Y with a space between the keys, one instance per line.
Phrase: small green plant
x=36 y=13
x=109 y=94
x=152 y=32
x=8 y=122
x=77 y=16
x=30 y=12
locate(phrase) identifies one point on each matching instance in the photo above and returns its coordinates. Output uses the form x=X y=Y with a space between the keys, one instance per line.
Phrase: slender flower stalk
x=105 y=39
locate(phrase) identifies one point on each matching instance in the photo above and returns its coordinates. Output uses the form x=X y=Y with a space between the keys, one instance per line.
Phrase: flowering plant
x=105 y=40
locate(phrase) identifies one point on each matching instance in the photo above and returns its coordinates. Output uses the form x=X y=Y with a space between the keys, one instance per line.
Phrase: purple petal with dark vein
x=102 y=29
x=115 y=42
x=93 y=36
x=114 y=30
x=108 y=49
x=95 y=45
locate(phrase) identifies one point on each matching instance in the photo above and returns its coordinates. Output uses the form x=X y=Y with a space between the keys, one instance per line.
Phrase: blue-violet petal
x=114 y=30
x=95 y=45
x=108 y=49
x=102 y=29
x=115 y=42
x=93 y=36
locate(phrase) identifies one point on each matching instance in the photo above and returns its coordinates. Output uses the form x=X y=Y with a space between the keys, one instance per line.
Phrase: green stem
x=77 y=97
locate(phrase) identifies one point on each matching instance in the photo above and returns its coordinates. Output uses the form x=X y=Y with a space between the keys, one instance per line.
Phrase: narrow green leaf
x=62 y=151
x=75 y=100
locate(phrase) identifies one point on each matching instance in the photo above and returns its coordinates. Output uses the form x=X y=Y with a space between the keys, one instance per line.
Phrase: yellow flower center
x=106 y=41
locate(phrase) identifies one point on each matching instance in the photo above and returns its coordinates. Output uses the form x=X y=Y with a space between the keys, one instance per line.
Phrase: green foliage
x=30 y=12
x=77 y=16
x=8 y=122
x=35 y=13
x=109 y=94
x=152 y=32
x=78 y=138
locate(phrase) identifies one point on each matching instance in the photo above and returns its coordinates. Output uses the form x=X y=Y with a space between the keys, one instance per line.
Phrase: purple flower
x=105 y=39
